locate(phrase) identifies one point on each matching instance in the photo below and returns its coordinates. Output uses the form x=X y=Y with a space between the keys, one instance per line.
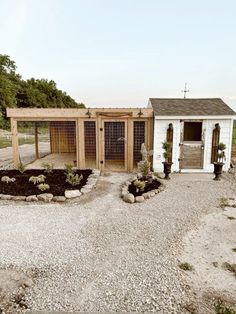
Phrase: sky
x=110 y=53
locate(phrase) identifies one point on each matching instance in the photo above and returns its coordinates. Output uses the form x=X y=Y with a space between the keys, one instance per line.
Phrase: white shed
x=197 y=127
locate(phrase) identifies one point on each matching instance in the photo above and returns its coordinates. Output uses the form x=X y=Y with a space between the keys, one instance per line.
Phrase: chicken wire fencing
x=30 y=133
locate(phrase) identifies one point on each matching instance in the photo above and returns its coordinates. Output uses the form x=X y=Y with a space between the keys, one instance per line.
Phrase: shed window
x=192 y=131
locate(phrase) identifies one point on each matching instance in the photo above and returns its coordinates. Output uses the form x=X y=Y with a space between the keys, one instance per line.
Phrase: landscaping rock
x=232 y=203
x=59 y=199
x=91 y=182
x=127 y=183
x=88 y=186
x=96 y=172
x=85 y=189
x=6 y=197
x=45 y=197
x=18 y=198
x=146 y=195
x=31 y=198
x=72 y=193
x=156 y=191
x=128 y=198
x=139 y=199
x=152 y=193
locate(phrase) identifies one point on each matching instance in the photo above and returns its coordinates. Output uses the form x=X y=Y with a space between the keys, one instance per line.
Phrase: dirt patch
x=149 y=186
x=210 y=250
x=13 y=286
x=56 y=180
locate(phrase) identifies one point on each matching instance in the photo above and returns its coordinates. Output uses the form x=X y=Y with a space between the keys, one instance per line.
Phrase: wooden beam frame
x=15 y=148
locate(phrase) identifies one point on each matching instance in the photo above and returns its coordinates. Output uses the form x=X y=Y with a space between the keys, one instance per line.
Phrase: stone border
x=130 y=198
x=48 y=197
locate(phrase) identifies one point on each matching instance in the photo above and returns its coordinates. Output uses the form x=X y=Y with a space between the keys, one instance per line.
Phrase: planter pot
x=167 y=169
x=218 y=170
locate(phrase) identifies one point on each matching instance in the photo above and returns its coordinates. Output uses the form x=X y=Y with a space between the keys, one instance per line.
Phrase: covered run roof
x=190 y=107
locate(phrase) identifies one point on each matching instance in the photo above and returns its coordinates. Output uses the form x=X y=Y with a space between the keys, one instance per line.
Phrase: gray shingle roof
x=190 y=107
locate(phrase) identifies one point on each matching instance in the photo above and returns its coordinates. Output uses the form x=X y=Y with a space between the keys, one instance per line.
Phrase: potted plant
x=166 y=146
x=218 y=165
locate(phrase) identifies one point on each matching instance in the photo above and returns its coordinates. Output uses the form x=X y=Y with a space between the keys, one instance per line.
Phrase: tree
x=39 y=93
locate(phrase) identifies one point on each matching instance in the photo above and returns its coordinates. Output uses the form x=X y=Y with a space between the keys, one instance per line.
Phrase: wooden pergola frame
x=99 y=115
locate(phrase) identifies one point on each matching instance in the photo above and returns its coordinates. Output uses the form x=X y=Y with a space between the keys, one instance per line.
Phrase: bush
x=7 y=179
x=39 y=179
x=69 y=168
x=21 y=167
x=144 y=167
x=43 y=187
x=48 y=167
x=140 y=185
x=73 y=179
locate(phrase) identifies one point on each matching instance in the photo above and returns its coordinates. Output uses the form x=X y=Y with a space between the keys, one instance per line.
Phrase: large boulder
x=6 y=197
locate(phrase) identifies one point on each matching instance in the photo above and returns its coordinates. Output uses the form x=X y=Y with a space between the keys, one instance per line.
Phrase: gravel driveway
x=101 y=254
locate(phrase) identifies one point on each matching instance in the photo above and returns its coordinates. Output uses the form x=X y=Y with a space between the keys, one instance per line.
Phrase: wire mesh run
x=31 y=133
x=139 y=139
x=63 y=137
x=90 y=143
x=114 y=143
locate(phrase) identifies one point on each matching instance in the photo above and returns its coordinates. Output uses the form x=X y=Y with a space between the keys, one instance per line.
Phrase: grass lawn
x=5 y=142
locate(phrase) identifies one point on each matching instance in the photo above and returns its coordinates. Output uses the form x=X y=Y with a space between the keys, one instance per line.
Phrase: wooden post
x=36 y=141
x=81 y=154
x=130 y=145
x=15 y=149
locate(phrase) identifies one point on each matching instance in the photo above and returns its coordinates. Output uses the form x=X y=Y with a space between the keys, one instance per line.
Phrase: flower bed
x=58 y=189
x=138 y=189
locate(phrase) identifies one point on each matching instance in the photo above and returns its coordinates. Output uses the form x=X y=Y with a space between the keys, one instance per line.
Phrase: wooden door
x=191 y=145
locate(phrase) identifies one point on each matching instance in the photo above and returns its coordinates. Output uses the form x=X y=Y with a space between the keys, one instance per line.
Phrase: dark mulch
x=56 y=181
x=148 y=187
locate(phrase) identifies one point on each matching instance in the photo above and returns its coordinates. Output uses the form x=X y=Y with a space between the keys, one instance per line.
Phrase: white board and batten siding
x=208 y=125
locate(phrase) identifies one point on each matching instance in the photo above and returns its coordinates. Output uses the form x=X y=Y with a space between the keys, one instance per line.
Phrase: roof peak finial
x=185 y=91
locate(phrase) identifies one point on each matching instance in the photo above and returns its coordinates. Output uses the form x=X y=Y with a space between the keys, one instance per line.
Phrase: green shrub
x=144 y=168
x=73 y=179
x=186 y=266
x=222 y=308
x=48 y=167
x=69 y=168
x=7 y=179
x=39 y=179
x=21 y=167
x=140 y=185
x=43 y=187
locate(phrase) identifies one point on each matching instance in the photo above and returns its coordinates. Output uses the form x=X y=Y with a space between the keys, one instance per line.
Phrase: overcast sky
x=121 y=52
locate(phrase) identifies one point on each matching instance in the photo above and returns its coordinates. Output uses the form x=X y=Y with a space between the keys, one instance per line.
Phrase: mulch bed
x=149 y=186
x=55 y=179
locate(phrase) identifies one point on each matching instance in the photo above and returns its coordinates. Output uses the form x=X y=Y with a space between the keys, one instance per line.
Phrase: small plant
x=222 y=308
x=48 y=167
x=69 y=168
x=73 y=179
x=39 y=179
x=166 y=146
x=221 y=152
x=186 y=266
x=223 y=202
x=230 y=267
x=7 y=179
x=21 y=167
x=43 y=187
x=144 y=168
x=140 y=185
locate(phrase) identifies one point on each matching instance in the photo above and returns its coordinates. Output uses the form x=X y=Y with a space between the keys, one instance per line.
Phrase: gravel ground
x=101 y=254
